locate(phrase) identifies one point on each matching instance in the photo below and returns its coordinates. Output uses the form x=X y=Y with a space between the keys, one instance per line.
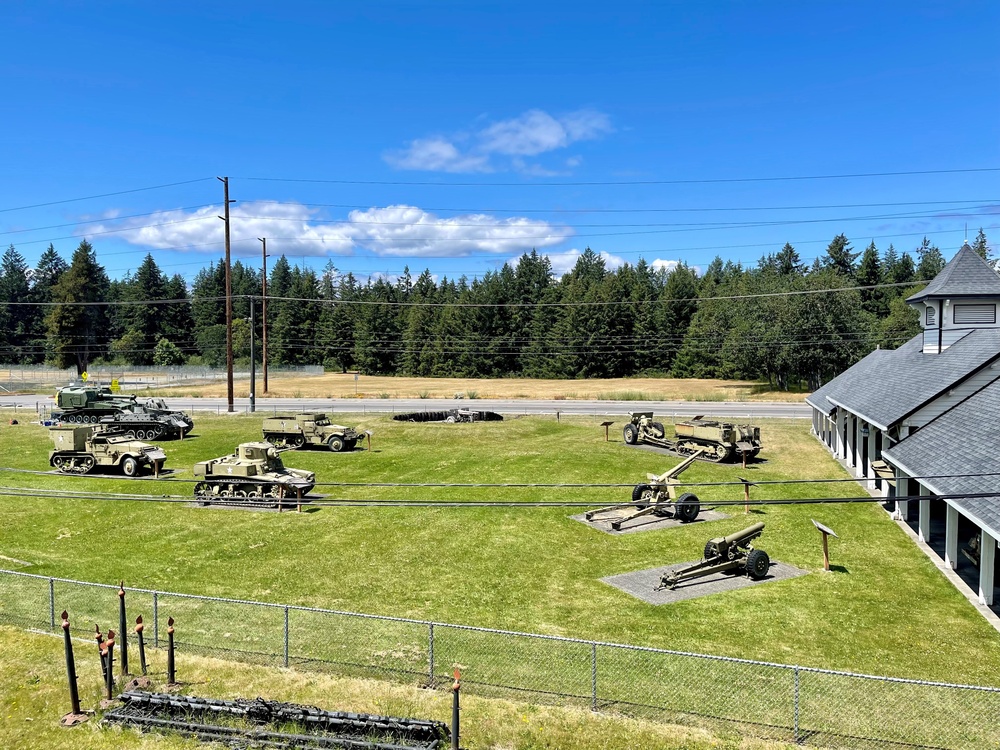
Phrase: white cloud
x=668 y=265
x=531 y=134
x=436 y=155
x=294 y=229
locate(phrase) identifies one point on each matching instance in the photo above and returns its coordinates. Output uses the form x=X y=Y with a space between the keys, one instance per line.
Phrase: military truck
x=81 y=449
x=717 y=441
x=252 y=474
x=305 y=428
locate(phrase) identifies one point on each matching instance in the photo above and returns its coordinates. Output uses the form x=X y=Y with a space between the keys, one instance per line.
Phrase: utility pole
x=253 y=363
x=263 y=312
x=229 y=299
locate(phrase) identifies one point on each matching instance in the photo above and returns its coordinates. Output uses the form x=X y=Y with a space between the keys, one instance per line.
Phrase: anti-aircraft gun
x=723 y=555
x=88 y=404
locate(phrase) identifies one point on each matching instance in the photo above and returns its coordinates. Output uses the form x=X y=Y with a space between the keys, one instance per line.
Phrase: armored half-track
x=252 y=474
x=305 y=429
x=79 y=450
x=717 y=441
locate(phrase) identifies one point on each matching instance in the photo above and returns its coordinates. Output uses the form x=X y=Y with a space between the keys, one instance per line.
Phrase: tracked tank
x=252 y=475
x=88 y=404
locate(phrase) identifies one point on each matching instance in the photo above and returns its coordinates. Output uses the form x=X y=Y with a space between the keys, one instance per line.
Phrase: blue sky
x=455 y=135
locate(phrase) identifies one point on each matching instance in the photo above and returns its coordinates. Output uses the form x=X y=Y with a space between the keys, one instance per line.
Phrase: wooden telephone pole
x=229 y=298
x=263 y=312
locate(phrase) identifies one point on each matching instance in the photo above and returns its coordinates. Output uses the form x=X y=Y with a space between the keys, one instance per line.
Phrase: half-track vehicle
x=717 y=441
x=309 y=429
x=81 y=449
x=725 y=554
x=252 y=474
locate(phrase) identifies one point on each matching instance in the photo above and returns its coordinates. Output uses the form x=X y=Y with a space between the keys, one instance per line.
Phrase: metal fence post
x=796 y=729
x=156 y=620
x=430 y=654
x=593 y=676
x=286 y=636
x=52 y=603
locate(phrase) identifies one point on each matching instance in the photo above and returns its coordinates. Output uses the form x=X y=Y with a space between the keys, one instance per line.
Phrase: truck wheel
x=630 y=434
x=687 y=507
x=335 y=443
x=130 y=467
x=757 y=564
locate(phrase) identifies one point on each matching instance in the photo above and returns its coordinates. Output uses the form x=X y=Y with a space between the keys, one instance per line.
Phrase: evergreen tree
x=15 y=319
x=839 y=256
x=929 y=261
x=76 y=330
x=870 y=274
x=788 y=263
x=982 y=247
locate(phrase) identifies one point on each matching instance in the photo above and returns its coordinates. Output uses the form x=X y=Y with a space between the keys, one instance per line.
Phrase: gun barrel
x=748 y=533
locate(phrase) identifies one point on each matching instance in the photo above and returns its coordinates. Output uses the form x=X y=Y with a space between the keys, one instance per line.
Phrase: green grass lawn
x=886 y=610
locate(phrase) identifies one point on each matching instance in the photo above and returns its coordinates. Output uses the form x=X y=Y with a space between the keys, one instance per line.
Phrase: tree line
x=780 y=320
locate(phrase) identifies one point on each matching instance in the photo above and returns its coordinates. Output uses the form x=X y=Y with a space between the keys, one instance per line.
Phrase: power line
x=608 y=183
x=105 y=195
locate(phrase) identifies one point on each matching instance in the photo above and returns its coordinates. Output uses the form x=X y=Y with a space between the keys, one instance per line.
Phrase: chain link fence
x=777 y=701
x=40 y=378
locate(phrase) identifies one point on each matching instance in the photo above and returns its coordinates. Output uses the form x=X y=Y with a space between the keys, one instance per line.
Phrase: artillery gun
x=79 y=450
x=718 y=441
x=149 y=420
x=658 y=498
x=724 y=555
x=253 y=475
x=309 y=429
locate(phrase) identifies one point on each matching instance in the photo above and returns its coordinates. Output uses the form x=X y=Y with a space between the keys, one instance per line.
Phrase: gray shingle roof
x=958 y=442
x=887 y=386
x=966 y=275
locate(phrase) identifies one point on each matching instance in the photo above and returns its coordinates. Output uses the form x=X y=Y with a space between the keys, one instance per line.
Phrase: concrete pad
x=642 y=583
x=643 y=523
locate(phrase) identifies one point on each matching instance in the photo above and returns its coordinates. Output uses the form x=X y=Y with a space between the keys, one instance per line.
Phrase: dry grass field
x=343 y=385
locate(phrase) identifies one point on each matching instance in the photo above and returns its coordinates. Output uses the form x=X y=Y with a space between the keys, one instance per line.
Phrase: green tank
x=79 y=450
x=88 y=404
x=252 y=474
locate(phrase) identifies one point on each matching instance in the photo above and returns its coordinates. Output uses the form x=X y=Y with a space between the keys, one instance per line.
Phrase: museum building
x=918 y=422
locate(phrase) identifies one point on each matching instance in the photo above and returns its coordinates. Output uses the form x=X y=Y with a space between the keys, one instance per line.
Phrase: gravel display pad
x=641 y=584
x=644 y=523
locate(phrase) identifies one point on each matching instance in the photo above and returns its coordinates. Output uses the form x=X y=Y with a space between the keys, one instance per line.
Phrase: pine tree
x=15 y=320
x=76 y=330
x=929 y=261
x=839 y=256
x=982 y=247
x=870 y=274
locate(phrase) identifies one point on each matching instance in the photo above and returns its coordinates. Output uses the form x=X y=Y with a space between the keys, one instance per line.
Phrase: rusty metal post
x=455 y=709
x=100 y=651
x=123 y=629
x=109 y=676
x=298 y=498
x=171 y=675
x=142 y=645
x=74 y=693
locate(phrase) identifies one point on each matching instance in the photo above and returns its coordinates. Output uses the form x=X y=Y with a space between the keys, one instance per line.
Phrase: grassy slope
x=887 y=611
x=33 y=696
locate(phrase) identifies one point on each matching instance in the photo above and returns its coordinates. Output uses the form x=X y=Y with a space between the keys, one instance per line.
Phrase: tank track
x=246 y=493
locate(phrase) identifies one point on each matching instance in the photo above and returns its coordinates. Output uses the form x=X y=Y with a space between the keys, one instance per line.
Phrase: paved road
x=751 y=409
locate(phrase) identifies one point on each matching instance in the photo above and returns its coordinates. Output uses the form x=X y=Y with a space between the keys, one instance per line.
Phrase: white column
x=924 y=524
x=987 y=556
x=858 y=447
x=831 y=430
x=872 y=440
x=902 y=490
x=851 y=434
x=951 y=537
x=815 y=414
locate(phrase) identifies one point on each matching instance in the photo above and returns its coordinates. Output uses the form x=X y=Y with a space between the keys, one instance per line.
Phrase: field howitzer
x=722 y=555
x=658 y=497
